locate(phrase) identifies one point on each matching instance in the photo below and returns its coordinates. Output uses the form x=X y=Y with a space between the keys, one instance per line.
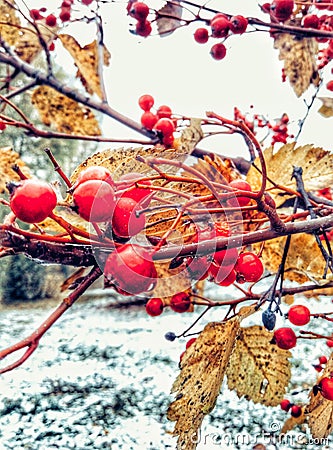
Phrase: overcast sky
x=181 y=73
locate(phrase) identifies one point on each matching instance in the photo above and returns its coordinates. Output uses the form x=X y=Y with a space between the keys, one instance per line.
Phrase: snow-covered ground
x=101 y=380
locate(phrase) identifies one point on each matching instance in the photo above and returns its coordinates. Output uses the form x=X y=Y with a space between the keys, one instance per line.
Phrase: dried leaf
x=171 y=14
x=326 y=108
x=28 y=45
x=10 y=23
x=123 y=160
x=292 y=422
x=8 y=158
x=258 y=369
x=301 y=266
x=319 y=411
x=171 y=281
x=317 y=165
x=87 y=61
x=299 y=56
x=199 y=382
x=66 y=115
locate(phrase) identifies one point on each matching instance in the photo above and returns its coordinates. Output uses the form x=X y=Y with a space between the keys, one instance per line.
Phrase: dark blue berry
x=170 y=336
x=269 y=319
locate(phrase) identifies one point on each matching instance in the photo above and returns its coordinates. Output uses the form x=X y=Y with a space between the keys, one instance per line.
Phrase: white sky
x=179 y=72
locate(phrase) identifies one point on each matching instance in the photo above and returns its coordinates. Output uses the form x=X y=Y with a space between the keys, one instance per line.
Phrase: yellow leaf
x=171 y=281
x=299 y=56
x=10 y=23
x=28 y=45
x=326 y=108
x=300 y=266
x=172 y=13
x=87 y=61
x=319 y=411
x=258 y=369
x=8 y=158
x=199 y=382
x=121 y=161
x=317 y=165
x=66 y=115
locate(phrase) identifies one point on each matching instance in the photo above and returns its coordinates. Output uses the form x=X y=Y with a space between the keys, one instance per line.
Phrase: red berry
x=241 y=185
x=165 y=126
x=32 y=201
x=139 y=194
x=125 y=222
x=322 y=360
x=2 y=126
x=296 y=411
x=86 y=2
x=66 y=4
x=299 y=315
x=51 y=47
x=35 y=14
x=201 y=35
x=146 y=102
x=180 y=302
x=65 y=15
x=130 y=270
x=220 y=27
x=266 y=8
x=285 y=338
x=219 y=273
x=329 y=85
x=143 y=28
x=285 y=404
x=249 y=267
x=329 y=343
x=168 y=140
x=139 y=11
x=310 y=21
x=326 y=388
x=164 y=111
x=95 y=173
x=154 y=307
x=51 y=20
x=229 y=279
x=190 y=342
x=282 y=9
x=198 y=267
x=148 y=120
x=218 y=51
x=238 y=24
x=94 y=200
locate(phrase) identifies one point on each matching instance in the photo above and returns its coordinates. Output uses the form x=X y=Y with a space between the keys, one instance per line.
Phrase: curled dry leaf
x=292 y=422
x=258 y=369
x=326 y=108
x=199 y=382
x=299 y=57
x=168 y=18
x=9 y=158
x=319 y=411
x=317 y=165
x=10 y=23
x=66 y=115
x=87 y=61
x=300 y=266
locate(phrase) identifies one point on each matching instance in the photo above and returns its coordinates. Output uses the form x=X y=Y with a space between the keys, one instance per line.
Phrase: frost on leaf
x=66 y=115
x=8 y=158
x=299 y=57
x=300 y=266
x=87 y=61
x=319 y=411
x=317 y=165
x=258 y=369
x=169 y=18
x=199 y=382
x=9 y=22
x=326 y=108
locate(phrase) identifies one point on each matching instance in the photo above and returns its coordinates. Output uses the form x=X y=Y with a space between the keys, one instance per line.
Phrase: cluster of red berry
x=295 y=410
x=140 y=11
x=322 y=360
x=220 y=27
x=160 y=121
